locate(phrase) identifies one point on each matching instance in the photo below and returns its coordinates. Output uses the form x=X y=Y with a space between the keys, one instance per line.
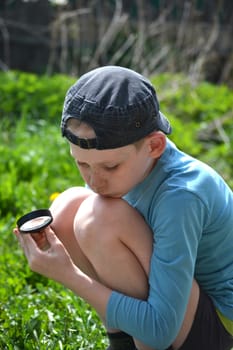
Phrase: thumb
x=16 y=231
x=54 y=241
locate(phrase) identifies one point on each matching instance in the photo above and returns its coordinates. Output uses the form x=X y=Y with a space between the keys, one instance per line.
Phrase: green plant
x=27 y=94
x=36 y=313
x=35 y=163
x=201 y=116
x=39 y=314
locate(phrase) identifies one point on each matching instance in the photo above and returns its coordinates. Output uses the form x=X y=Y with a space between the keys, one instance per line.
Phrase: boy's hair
x=119 y=104
x=74 y=125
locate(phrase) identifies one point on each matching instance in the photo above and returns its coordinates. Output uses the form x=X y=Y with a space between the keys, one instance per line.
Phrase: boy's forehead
x=101 y=156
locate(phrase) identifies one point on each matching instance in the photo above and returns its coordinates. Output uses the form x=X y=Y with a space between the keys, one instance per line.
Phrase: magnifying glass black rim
x=34 y=215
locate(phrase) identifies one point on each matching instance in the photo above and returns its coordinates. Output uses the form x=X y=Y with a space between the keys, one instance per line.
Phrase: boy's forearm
x=93 y=292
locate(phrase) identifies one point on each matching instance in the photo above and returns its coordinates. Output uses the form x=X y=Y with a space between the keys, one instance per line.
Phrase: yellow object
x=54 y=196
x=228 y=324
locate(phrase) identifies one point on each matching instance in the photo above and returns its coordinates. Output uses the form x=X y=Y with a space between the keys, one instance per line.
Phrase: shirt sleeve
x=177 y=221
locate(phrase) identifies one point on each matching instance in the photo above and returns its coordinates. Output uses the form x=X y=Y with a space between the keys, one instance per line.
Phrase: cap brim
x=164 y=124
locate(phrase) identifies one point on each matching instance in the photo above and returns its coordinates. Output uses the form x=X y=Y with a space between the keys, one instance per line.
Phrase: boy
x=149 y=242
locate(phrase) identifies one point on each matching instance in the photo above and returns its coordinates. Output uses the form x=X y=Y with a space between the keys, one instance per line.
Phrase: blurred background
x=150 y=36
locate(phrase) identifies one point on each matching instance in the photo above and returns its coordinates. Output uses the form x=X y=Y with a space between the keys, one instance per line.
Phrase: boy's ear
x=157 y=143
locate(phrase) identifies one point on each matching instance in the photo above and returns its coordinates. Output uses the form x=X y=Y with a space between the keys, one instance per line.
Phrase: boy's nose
x=96 y=180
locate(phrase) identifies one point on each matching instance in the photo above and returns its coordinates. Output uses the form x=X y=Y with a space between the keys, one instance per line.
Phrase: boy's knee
x=97 y=219
x=65 y=206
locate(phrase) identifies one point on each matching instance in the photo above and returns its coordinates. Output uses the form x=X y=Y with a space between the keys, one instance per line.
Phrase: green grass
x=36 y=313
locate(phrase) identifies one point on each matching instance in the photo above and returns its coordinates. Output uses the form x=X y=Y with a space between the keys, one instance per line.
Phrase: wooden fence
x=194 y=37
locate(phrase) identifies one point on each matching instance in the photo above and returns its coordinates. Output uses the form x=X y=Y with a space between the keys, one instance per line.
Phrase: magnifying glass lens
x=36 y=224
x=35 y=221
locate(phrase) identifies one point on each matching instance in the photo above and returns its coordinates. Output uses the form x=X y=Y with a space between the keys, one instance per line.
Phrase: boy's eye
x=112 y=167
x=81 y=164
x=105 y=167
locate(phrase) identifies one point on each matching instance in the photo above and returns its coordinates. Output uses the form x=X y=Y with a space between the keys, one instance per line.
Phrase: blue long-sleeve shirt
x=190 y=210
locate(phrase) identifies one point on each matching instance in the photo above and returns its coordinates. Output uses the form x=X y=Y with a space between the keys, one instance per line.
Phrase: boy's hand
x=54 y=262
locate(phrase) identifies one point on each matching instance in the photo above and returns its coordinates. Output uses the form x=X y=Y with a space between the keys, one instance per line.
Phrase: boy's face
x=114 y=172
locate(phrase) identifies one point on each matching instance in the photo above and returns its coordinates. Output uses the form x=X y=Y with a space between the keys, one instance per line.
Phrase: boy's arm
x=177 y=227
x=55 y=263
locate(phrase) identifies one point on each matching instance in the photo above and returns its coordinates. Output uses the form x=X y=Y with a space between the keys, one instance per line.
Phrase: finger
x=28 y=244
x=53 y=240
x=51 y=237
x=16 y=231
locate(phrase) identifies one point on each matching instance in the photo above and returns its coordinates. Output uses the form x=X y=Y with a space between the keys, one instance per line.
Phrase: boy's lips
x=108 y=194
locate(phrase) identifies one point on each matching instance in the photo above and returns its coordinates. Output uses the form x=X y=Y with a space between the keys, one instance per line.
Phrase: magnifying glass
x=34 y=221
